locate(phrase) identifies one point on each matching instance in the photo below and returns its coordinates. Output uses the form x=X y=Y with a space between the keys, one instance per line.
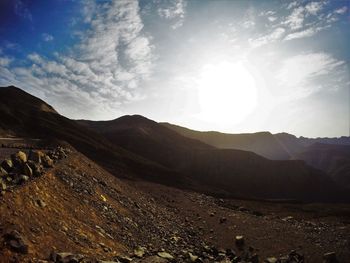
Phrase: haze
x=232 y=66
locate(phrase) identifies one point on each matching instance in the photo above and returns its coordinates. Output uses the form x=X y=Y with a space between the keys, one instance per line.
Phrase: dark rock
x=27 y=170
x=17 y=178
x=35 y=156
x=330 y=257
x=40 y=203
x=21 y=179
x=7 y=165
x=223 y=220
x=19 y=157
x=257 y=213
x=66 y=257
x=243 y=209
x=3 y=172
x=254 y=258
x=230 y=253
x=15 y=242
x=239 y=241
x=37 y=169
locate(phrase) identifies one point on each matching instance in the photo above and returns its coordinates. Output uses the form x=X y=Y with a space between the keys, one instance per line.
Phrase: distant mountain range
x=221 y=164
x=331 y=155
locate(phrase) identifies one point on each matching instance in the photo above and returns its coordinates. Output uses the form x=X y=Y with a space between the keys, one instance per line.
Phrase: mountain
x=139 y=148
x=233 y=172
x=331 y=158
x=291 y=143
x=133 y=190
x=147 y=138
x=330 y=155
x=262 y=143
x=24 y=115
x=343 y=140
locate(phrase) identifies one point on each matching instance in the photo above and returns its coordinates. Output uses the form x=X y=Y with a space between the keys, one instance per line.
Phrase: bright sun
x=227 y=93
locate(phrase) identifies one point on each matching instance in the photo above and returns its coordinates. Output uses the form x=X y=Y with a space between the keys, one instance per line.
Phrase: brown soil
x=89 y=211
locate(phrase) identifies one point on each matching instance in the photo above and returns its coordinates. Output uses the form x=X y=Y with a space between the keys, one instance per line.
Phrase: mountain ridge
x=145 y=149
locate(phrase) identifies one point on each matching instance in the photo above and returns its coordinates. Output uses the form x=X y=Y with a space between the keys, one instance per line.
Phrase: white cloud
x=298 y=74
x=103 y=71
x=296 y=19
x=307 y=20
x=292 y=4
x=5 y=61
x=269 y=38
x=249 y=19
x=304 y=33
x=341 y=10
x=173 y=10
x=314 y=7
x=47 y=37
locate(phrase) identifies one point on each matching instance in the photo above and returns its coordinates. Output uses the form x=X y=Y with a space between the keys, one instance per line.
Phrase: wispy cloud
x=303 y=20
x=172 y=10
x=105 y=68
x=269 y=38
x=298 y=74
x=296 y=19
x=47 y=37
x=5 y=61
x=304 y=33
x=22 y=10
x=314 y=7
x=341 y=10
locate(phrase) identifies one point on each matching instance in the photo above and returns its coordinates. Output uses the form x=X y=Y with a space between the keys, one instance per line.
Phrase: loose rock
x=15 y=242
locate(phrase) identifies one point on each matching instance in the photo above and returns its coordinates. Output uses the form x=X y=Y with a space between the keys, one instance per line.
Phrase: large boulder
x=19 y=157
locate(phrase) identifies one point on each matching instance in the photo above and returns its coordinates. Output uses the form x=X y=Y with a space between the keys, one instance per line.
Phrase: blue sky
x=233 y=66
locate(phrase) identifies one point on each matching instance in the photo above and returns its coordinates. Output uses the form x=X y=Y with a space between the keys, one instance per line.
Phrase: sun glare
x=227 y=93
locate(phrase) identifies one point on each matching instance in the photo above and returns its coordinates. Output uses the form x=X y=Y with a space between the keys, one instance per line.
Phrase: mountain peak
x=11 y=95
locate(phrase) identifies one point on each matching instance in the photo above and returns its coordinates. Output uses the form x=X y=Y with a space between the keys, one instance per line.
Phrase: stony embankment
x=20 y=168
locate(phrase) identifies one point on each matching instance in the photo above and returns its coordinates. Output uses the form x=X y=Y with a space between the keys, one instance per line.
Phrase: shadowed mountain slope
x=334 y=159
x=331 y=155
x=262 y=143
x=235 y=172
x=137 y=147
x=24 y=115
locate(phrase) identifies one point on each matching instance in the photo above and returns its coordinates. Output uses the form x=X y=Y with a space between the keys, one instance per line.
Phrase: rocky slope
x=78 y=212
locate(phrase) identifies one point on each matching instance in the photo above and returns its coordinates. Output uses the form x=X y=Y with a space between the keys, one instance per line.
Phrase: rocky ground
x=75 y=211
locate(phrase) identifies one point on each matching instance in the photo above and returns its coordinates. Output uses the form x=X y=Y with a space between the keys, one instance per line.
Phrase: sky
x=231 y=66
